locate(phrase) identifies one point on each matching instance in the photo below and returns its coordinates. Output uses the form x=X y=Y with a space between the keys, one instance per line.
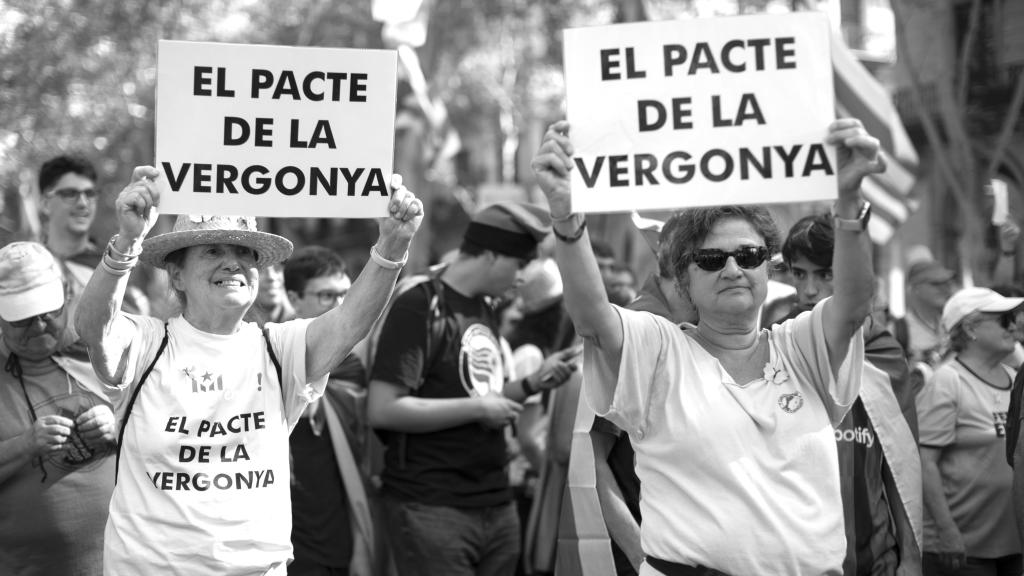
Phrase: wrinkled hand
x=552 y=165
x=498 y=411
x=950 y=549
x=50 y=434
x=858 y=155
x=1009 y=233
x=136 y=205
x=97 y=426
x=557 y=368
x=405 y=214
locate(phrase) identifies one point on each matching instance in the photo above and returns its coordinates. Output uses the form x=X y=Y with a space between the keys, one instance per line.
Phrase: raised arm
x=331 y=336
x=585 y=297
x=98 y=320
x=853 y=276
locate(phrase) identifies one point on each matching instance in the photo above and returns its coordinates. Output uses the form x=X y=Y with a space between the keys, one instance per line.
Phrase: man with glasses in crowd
x=57 y=429
x=332 y=531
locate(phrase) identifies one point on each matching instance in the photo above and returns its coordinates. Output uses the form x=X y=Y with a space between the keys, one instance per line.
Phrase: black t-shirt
x=463 y=466
x=622 y=462
x=1013 y=417
x=320 y=519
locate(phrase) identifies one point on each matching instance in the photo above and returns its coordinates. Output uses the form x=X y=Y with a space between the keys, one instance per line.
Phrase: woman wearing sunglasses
x=968 y=486
x=732 y=424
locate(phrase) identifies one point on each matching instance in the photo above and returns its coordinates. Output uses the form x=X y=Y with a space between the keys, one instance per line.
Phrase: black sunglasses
x=1007 y=320
x=713 y=259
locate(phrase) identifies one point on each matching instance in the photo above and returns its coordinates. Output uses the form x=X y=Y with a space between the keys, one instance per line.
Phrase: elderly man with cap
x=969 y=523
x=438 y=388
x=56 y=429
x=930 y=286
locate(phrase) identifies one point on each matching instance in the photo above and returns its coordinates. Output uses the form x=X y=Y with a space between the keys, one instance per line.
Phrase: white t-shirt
x=203 y=486
x=740 y=478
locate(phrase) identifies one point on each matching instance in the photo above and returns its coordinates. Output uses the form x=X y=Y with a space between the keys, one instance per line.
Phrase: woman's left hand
x=405 y=214
x=857 y=154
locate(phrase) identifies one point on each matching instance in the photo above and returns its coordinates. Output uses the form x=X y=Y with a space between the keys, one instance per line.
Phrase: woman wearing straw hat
x=968 y=486
x=208 y=399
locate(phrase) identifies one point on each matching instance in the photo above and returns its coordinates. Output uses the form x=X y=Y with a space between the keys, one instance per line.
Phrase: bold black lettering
x=788 y=158
x=262 y=182
x=680 y=110
x=230 y=122
x=222 y=89
x=784 y=50
x=264 y=132
x=703 y=58
x=352 y=179
x=175 y=181
x=747 y=159
x=261 y=79
x=357 y=88
x=322 y=135
x=646 y=124
x=671 y=162
x=286 y=85
x=335 y=79
x=645 y=165
x=705 y=165
x=817 y=160
x=759 y=44
x=617 y=171
x=307 y=86
x=329 y=181
x=749 y=110
x=673 y=54
x=727 y=56
x=608 y=64
x=201 y=178
x=226 y=176
x=201 y=81
x=182 y=481
x=589 y=179
x=300 y=180
x=294 y=141
x=375 y=183
x=716 y=113
x=631 y=69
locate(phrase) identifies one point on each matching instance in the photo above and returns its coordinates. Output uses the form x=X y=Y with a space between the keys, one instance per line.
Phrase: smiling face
x=813 y=283
x=67 y=207
x=731 y=291
x=216 y=278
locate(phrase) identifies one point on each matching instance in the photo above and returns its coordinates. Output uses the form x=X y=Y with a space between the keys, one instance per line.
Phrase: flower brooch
x=775 y=375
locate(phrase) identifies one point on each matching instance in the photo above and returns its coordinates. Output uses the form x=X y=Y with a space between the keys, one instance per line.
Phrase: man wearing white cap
x=962 y=416
x=56 y=435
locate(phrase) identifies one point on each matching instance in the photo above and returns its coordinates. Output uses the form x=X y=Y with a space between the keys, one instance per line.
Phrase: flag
x=860 y=95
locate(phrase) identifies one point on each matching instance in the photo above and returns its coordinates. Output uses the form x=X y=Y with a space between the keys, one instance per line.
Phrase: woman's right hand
x=950 y=548
x=552 y=165
x=137 y=204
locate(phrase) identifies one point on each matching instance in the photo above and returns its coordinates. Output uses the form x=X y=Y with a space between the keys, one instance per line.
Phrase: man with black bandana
x=444 y=403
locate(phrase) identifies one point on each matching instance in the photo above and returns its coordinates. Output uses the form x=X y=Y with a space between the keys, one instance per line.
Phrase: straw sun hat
x=191 y=230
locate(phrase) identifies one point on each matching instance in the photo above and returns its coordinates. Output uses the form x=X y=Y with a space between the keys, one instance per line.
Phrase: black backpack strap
x=273 y=358
x=131 y=402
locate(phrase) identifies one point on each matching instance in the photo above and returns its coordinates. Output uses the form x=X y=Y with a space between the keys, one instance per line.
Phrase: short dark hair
x=311 y=262
x=696 y=223
x=55 y=168
x=812 y=237
x=664 y=244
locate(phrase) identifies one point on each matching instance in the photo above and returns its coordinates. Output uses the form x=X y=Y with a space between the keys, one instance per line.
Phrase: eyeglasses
x=713 y=259
x=71 y=195
x=46 y=317
x=1006 y=320
x=327 y=297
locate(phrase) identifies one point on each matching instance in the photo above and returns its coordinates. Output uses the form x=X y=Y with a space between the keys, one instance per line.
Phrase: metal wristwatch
x=858 y=224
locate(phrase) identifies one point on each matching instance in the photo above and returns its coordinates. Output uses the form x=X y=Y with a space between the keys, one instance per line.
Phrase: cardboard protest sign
x=274 y=131
x=700 y=112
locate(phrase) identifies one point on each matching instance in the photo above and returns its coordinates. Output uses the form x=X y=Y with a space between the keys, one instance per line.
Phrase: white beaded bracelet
x=384 y=262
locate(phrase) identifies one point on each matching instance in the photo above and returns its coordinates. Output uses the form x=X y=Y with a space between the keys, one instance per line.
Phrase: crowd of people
x=286 y=418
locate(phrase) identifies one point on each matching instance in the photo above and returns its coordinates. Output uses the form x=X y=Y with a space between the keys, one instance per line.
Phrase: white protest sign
x=274 y=131
x=700 y=112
